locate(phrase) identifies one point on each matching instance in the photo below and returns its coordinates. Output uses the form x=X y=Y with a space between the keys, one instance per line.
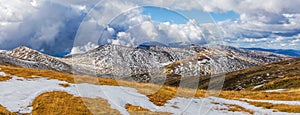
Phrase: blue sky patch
x=164 y=15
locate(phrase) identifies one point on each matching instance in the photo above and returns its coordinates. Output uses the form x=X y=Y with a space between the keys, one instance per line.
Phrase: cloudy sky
x=58 y=26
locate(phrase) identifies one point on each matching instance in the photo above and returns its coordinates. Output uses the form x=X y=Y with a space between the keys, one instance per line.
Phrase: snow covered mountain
x=220 y=59
x=29 y=58
x=142 y=64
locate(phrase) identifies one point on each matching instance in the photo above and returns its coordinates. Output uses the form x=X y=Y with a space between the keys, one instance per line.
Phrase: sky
x=59 y=27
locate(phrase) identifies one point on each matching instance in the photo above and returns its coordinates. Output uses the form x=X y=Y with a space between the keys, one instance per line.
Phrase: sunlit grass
x=279 y=107
x=260 y=95
x=3 y=111
x=61 y=103
x=136 y=110
x=2 y=78
x=236 y=108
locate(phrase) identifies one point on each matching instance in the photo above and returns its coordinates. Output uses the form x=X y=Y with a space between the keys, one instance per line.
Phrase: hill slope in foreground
x=29 y=91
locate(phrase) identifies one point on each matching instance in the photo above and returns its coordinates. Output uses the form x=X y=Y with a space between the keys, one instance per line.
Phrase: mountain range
x=144 y=64
x=288 y=52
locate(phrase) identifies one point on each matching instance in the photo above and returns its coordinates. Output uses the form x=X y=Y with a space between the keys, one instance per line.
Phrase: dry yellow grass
x=130 y=107
x=4 y=111
x=236 y=108
x=32 y=73
x=2 y=78
x=65 y=85
x=288 y=82
x=136 y=110
x=259 y=95
x=61 y=103
x=279 y=107
x=161 y=97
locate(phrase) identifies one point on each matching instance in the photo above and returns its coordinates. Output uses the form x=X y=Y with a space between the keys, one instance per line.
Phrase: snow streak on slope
x=275 y=102
x=256 y=110
x=18 y=93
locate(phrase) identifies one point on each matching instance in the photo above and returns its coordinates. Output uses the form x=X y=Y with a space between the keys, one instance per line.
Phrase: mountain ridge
x=143 y=64
x=288 y=52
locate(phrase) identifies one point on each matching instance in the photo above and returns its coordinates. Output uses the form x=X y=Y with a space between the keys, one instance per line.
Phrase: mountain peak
x=23 y=48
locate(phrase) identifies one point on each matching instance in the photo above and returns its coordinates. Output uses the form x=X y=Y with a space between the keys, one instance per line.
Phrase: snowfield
x=18 y=93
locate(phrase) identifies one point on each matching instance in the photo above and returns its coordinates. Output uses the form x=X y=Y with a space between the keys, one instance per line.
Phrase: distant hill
x=279 y=75
x=288 y=52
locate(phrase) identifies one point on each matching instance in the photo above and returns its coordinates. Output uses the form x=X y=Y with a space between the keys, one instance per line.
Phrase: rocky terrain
x=144 y=64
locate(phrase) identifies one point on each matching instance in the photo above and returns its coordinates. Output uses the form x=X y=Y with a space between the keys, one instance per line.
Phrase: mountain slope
x=156 y=62
x=144 y=65
x=279 y=75
x=220 y=59
x=26 y=57
x=289 y=52
x=124 y=61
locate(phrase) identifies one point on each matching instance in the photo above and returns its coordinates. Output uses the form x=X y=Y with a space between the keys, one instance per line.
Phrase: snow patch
x=3 y=74
x=82 y=49
x=258 y=86
x=256 y=110
x=276 y=90
x=191 y=106
x=274 y=101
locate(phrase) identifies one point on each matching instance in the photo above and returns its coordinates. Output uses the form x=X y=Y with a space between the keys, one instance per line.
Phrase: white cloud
x=52 y=24
x=278 y=39
x=251 y=40
x=133 y=29
x=81 y=49
x=37 y=24
x=258 y=19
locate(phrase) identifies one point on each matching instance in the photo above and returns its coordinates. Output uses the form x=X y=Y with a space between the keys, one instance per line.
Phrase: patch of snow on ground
x=274 y=101
x=276 y=90
x=258 y=86
x=18 y=93
x=117 y=97
x=3 y=74
x=256 y=110
x=201 y=106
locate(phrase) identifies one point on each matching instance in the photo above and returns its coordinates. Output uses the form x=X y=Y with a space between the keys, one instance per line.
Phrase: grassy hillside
x=280 y=75
x=3 y=111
